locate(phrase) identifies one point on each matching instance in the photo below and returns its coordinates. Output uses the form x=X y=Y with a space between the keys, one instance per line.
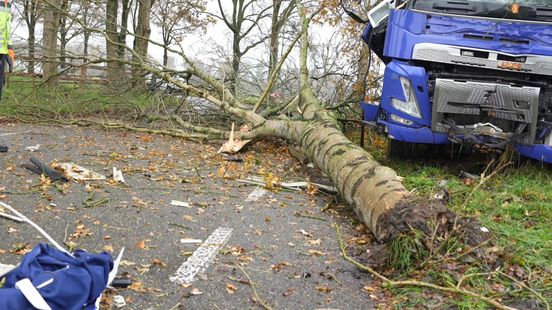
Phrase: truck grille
x=485 y=102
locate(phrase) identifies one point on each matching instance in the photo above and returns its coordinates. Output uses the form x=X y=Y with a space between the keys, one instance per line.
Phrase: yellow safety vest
x=5 y=26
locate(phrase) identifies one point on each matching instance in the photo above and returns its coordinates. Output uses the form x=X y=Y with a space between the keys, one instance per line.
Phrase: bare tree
x=32 y=10
x=141 y=38
x=176 y=18
x=49 y=37
x=113 y=67
x=245 y=16
x=280 y=16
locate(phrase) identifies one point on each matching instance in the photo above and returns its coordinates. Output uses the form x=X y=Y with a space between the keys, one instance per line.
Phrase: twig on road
x=254 y=288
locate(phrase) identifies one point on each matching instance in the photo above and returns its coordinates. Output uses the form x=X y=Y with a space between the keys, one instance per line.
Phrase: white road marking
x=202 y=257
x=256 y=194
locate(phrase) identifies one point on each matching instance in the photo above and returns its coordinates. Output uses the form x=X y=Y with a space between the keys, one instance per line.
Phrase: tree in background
x=245 y=16
x=32 y=11
x=141 y=40
x=177 y=18
x=50 y=38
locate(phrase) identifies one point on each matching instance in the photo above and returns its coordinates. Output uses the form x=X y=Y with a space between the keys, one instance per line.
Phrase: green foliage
x=406 y=252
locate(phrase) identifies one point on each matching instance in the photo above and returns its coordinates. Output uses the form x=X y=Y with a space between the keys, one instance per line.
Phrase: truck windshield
x=533 y=10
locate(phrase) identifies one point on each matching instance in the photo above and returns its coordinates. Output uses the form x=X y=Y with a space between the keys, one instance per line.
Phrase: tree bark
x=121 y=38
x=31 y=41
x=141 y=40
x=63 y=32
x=50 y=50
x=113 y=66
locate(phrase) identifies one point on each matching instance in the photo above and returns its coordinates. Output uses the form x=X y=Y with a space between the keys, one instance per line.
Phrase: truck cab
x=475 y=72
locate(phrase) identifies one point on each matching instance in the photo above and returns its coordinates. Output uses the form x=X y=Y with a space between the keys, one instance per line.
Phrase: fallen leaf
x=314 y=242
x=230 y=288
x=196 y=291
x=188 y=218
x=108 y=248
x=158 y=262
x=288 y=292
x=324 y=289
x=315 y=252
x=279 y=266
x=142 y=245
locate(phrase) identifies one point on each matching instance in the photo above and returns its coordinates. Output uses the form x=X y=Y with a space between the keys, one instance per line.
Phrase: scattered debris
x=484 y=229
x=256 y=194
x=295 y=186
x=40 y=168
x=121 y=282
x=33 y=148
x=466 y=175
x=202 y=257
x=5 y=269
x=11 y=217
x=35 y=226
x=232 y=146
x=305 y=233
x=119 y=301
x=178 y=203
x=190 y=241
x=78 y=173
x=118 y=175
x=14 y=133
x=233 y=159
x=3 y=149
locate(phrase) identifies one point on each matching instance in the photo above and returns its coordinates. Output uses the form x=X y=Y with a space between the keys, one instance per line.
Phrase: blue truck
x=471 y=72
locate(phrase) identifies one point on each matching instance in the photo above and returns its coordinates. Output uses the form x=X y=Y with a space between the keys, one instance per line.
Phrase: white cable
x=40 y=230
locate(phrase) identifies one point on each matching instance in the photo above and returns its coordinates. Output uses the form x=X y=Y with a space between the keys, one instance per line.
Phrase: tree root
x=415 y=283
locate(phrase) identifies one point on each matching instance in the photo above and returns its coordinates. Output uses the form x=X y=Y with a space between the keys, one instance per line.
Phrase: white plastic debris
x=119 y=301
x=484 y=229
x=5 y=269
x=190 y=241
x=78 y=173
x=33 y=148
x=178 y=203
x=118 y=175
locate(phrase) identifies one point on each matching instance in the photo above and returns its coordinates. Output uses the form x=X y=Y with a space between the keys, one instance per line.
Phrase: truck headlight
x=410 y=106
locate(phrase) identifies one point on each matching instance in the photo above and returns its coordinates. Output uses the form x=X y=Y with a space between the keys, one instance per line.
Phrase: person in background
x=7 y=55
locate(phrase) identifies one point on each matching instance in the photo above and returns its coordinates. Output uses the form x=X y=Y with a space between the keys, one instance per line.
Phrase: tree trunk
x=51 y=25
x=236 y=61
x=359 y=89
x=274 y=36
x=141 y=40
x=63 y=32
x=31 y=41
x=124 y=28
x=113 y=66
x=165 y=56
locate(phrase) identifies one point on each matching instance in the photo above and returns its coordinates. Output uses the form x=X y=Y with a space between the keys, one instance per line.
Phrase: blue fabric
x=77 y=283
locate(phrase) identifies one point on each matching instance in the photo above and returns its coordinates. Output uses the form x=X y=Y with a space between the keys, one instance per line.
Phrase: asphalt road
x=283 y=242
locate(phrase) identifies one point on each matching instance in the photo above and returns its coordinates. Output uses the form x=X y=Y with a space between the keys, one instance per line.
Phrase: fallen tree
x=375 y=191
